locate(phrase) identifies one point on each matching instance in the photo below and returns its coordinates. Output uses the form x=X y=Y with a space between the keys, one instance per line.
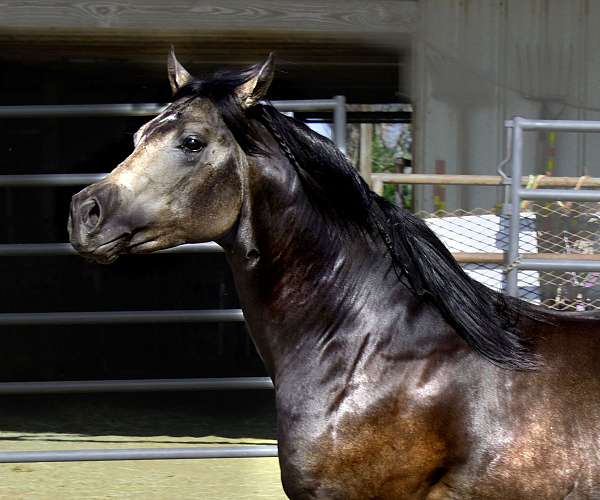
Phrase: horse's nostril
x=91 y=214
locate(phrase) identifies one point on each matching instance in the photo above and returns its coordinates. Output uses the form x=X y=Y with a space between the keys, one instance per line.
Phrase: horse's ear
x=256 y=87
x=178 y=75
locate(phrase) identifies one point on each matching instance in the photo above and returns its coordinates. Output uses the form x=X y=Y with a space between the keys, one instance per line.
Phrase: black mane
x=485 y=319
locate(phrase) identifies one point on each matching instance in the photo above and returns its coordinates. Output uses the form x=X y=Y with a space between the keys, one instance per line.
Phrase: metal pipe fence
x=558 y=194
x=241 y=451
x=123 y=317
x=541 y=249
x=146 y=109
x=136 y=385
x=49 y=180
x=337 y=105
x=567 y=265
x=57 y=249
x=520 y=125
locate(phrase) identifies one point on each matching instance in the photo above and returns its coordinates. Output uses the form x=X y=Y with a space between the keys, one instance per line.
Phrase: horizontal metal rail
x=139 y=454
x=62 y=249
x=310 y=104
x=137 y=385
x=58 y=249
x=559 y=125
x=49 y=180
x=140 y=109
x=563 y=265
x=123 y=317
x=68 y=110
x=559 y=194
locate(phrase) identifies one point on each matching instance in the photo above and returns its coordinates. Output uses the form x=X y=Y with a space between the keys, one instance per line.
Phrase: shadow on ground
x=237 y=415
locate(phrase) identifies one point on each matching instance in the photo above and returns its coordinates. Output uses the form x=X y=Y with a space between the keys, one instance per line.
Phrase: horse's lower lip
x=106 y=252
x=139 y=246
x=110 y=245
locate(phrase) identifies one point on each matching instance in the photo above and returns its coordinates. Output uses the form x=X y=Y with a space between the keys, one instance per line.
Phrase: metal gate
x=337 y=106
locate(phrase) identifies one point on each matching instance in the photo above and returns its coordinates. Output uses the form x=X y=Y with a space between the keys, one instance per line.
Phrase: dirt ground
x=137 y=421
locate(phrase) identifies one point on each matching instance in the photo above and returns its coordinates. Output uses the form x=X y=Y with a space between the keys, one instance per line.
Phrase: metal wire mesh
x=566 y=228
x=556 y=228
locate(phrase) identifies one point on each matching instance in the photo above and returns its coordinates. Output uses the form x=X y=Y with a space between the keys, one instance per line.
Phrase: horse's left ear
x=252 y=91
x=178 y=75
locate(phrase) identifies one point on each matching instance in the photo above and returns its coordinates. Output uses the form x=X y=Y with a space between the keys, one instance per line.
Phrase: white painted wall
x=479 y=62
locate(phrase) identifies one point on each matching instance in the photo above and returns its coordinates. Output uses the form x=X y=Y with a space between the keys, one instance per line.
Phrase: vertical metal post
x=512 y=274
x=505 y=214
x=339 y=122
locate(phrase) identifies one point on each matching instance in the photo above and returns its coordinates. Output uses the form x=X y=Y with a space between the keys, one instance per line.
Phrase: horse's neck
x=303 y=283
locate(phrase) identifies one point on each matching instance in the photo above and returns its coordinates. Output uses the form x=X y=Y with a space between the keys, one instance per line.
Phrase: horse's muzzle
x=95 y=230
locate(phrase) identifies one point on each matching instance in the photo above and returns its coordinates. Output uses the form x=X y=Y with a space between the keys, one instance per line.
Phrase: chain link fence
x=554 y=229
x=478 y=239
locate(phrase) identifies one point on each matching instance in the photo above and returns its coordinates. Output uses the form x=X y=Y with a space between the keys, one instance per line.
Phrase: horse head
x=184 y=180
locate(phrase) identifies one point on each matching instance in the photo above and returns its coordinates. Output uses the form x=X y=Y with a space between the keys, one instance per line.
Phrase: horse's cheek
x=216 y=203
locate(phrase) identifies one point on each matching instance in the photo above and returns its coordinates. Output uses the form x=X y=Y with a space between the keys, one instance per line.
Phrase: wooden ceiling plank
x=351 y=16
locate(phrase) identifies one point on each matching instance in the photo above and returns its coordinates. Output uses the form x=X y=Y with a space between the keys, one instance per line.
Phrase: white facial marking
x=140 y=135
x=127 y=179
x=168 y=118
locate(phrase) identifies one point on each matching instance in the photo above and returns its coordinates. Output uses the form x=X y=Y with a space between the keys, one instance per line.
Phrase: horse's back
x=570 y=342
x=541 y=428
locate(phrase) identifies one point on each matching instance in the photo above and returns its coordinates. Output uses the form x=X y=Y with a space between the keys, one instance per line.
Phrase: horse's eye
x=192 y=143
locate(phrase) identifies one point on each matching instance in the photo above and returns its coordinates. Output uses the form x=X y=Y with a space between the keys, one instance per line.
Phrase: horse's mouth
x=144 y=246
x=135 y=242
x=106 y=252
x=148 y=242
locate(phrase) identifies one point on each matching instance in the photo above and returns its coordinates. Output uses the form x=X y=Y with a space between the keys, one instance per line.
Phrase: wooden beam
x=478 y=258
x=498 y=257
x=480 y=180
x=337 y=16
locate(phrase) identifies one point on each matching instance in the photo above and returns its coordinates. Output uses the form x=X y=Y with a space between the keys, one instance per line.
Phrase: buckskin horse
x=396 y=375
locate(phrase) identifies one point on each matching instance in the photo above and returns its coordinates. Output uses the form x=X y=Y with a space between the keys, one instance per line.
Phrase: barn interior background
x=428 y=84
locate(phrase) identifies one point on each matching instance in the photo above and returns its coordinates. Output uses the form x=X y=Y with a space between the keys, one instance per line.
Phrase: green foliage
x=384 y=160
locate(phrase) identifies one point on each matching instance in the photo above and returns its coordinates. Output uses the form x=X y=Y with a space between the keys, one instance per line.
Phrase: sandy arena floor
x=150 y=420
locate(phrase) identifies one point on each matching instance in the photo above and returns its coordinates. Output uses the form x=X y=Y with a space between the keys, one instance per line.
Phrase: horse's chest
x=360 y=456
